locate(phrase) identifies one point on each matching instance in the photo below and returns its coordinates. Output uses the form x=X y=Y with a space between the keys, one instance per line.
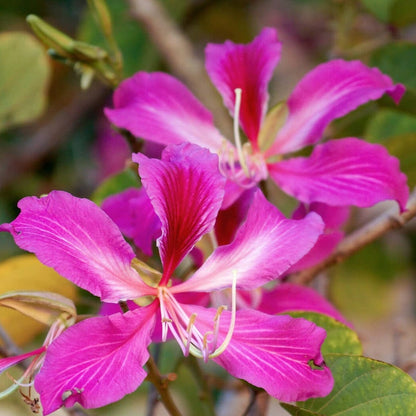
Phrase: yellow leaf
x=23 y=273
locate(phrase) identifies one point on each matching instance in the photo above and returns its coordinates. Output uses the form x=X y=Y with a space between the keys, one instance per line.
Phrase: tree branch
x=178 y=52
x=385 y=222
x=161 y=384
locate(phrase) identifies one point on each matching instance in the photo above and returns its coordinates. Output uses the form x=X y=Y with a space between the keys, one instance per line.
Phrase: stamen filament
x=195 y=352
x=237 y=137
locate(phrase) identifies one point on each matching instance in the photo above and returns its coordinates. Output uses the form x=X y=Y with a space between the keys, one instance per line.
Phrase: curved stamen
x=197 y=353
x=237 y=137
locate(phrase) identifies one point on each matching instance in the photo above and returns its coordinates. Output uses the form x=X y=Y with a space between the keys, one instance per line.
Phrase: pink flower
x=348 y=171
x=100 y=359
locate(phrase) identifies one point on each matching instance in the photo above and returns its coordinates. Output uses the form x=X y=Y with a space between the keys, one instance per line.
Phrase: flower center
x=202 y=344
x=238 y=163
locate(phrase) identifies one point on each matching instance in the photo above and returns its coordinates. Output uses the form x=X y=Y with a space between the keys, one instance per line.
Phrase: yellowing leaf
x=44 y=307
x=24 y=76
x=26 y=273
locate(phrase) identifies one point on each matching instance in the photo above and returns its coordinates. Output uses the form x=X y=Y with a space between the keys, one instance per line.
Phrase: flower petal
x=80 y=242
x=249 y=67
x=333 y=217
x=329 y=91
x=186 y=190
x=324 y=246
x=272 y=352
x=343 y=172
x=133 y=213
x=158 y=107
x=264 y=247
x=8 y=362
x=288 y=297
x=97 y=361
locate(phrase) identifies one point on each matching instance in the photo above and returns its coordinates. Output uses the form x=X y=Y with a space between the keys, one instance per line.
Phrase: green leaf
x=363 y=387
x=387 y=123
x=24 y=77
x=403 y=12
x=339 y=339
x=115 y=184
x=398 y=60
x=397 y=132
x=380 y=8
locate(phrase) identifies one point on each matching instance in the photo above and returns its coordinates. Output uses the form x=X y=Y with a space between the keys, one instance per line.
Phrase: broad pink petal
x=186 y=190
x=343 y=172
x=288 y=297
x=8 y=362
x=272 y=352
x=97 y=361
x=264 y=248
x=249 y=67
x=158 y=107
x=133 y=213
x=78 y=240
x=329 y=91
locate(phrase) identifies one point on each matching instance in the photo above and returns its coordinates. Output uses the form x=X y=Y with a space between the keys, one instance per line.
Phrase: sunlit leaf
x=24 y=77
x=26 y=273
x=339 y=338
x=363 y=387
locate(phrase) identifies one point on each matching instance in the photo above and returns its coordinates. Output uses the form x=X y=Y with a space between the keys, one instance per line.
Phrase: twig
x=25 y=156
x=368 y=233
x=256 y=406
x=179 y=55
x=161 y=384
x=10 y=348
x=152 y=397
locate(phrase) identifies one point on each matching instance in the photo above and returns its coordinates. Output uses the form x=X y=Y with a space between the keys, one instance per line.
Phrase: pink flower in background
x=100 y=359
x=111 y=150
x=342 y=172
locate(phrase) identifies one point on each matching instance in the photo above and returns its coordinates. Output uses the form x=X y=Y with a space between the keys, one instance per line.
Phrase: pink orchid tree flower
x=133 y=213
x=99 y=360
x=342 y=172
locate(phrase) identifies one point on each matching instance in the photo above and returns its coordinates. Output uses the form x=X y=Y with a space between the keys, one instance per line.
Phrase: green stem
x=161 y=384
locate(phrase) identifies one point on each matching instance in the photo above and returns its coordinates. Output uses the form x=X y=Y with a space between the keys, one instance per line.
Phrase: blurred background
x=53 y=135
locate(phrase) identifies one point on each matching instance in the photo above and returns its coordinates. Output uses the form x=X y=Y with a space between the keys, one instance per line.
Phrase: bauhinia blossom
x=342 y=172
x=99 y=360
